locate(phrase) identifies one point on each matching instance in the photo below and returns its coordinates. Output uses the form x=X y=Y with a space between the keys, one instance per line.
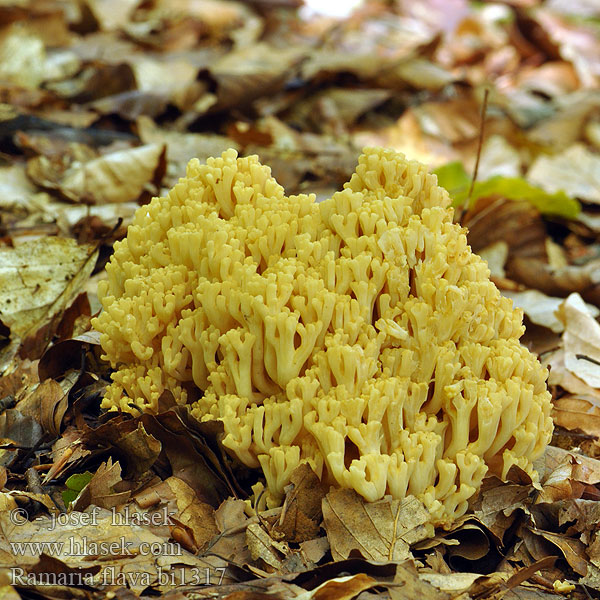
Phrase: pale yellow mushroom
x=359 y=335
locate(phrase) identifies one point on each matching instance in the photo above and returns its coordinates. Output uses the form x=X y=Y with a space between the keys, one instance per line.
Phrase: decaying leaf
x=576 y=170
x=381 y=530
x=541 y=309
x=581 y=340
x=38 y=280
x=121 y=176
x=301 y=513
x=101 y=490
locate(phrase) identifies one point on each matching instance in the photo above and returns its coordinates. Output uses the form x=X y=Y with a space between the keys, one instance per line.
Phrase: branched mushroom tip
x=360 y=334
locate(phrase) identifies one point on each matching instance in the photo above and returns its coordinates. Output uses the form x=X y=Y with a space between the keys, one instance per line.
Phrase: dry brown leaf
x=382 y=530
x=264 y=547
x=182 y=146
x=342 y=588
x=407 y=136
x=581 y=340
x=197 y=515
x=572 y=550
x=121 y=176
x=498 y=157
x=575 y=171
x=22 y=57
x=112 y=14
x=577 y=42
x=243 y=75
x=498 y=504
x=566 y=122
x=100 y=491
x=23 y=430
x=301 y=515
x=38 y=280
x=536 y=273
x=191 y=457
x=17 y=193
x=541 y=309
x=560 y=375
x=231 y=522
x=576 y=413
x=48 y=404
x=409 y=585
x=517 y=224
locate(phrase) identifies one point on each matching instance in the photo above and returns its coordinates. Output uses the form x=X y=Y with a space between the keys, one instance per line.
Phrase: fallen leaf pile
x=103 y=102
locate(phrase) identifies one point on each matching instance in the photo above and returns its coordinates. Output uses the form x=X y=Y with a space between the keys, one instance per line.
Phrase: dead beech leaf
x=48 y=404
x=182 y=146
x=100 y=490
x=409 y=585
x=541 y=309
x=21 y=429
x=121 y=176
x=382 y=530
x=249 y=73
x=342 y=588
x=581 y=340
x=22 y=57
x=559 y=483
x=301 y=515
x=498 y=157
x=263 y=547
x=536 y=273
x=570 y=476
x=231 y=522
x=576 y=171
x=518 y=224
x=498 y=503
x=576 y=413
x=111 y=14
x=197 y=515
x=560 y=375
x=573 y=550
x=39 y=279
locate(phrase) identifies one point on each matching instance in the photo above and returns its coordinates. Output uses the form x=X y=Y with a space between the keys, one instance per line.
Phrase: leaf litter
x=102 y=103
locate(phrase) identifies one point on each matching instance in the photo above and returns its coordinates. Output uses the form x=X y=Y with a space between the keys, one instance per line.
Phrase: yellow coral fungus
x=360 y=335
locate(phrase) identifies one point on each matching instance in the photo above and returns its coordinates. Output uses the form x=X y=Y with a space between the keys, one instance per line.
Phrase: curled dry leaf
x=111 y=14
x=100 y=491
x=578 y=413
x=22 y=57
x=560 y=281
x=38 y=280
x=231 y=522
x=245 y=74
x=576 y=170
x=191 y=458
x=180 y=146
x=581 y=340
x=262 y=546
x=193 y=513
x=47 y=404
x=518 y=224
x=301 y=515
x=121 y=176
x=541 y=309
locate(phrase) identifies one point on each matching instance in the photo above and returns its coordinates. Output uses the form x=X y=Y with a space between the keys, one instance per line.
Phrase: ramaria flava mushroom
x=359 y=334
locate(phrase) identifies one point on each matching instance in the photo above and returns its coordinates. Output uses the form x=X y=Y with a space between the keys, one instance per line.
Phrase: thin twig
x=467 y=202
